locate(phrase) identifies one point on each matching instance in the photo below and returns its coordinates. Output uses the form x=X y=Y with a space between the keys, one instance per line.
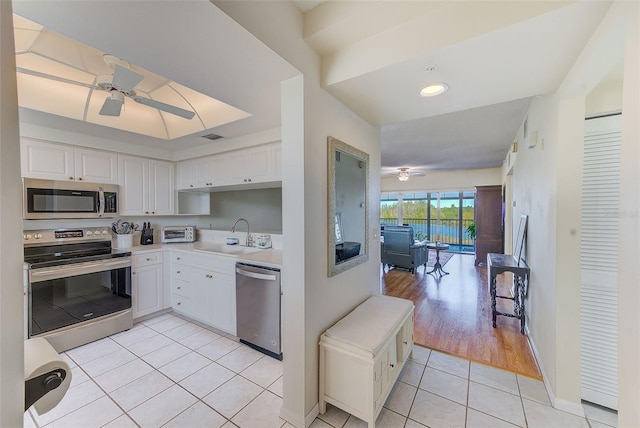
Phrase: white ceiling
x=495 y=56
x=189 y=42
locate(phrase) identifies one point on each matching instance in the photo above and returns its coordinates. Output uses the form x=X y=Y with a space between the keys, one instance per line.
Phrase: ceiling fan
x=122 y=83
x=404 y=174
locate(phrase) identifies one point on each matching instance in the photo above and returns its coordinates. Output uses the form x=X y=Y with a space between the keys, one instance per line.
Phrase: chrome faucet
x=249 y=242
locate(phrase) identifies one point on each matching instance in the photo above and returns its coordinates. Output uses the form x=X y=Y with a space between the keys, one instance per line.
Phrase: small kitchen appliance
x=263 y=241
x=170 y=234
x=52 y=199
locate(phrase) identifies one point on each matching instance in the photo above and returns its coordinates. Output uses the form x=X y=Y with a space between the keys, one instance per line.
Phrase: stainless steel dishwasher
x=258 y=308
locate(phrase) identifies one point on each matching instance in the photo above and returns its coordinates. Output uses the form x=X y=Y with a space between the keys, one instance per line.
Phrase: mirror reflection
x=348 y=221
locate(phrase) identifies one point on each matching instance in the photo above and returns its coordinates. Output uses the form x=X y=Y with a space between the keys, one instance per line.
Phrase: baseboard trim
x=311 y=416
x=299 y=422
x=569 y=407
x=557 y=403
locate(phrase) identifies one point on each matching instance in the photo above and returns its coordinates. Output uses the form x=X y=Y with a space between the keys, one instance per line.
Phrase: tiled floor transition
x=169 y=372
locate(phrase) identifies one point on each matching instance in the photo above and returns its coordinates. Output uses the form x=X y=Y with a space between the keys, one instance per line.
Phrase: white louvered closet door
x=599 y=261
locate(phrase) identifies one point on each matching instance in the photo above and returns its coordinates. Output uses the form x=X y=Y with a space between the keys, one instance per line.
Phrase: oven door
x=65 y=295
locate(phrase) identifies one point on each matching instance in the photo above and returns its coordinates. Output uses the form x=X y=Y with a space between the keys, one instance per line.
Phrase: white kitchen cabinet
x=252 y=165
x=147 y=186
x=52 y=161
x=358 y=369
x=203 y=288
x=195 y=173
x=146 y=283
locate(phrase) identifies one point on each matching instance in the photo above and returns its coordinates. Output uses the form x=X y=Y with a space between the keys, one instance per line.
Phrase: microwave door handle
x=100 y=201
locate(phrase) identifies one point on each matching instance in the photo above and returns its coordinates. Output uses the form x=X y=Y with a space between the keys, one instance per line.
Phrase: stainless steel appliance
x=79 y=288
x=258 y=308
x=178 y=234
x=61 y=199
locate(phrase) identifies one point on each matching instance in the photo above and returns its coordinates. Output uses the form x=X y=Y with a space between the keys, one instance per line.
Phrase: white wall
x=629 y=235
x=534 y=194
x=312 y=301
x=547 y=186
x=11 y=313
x=463 y=179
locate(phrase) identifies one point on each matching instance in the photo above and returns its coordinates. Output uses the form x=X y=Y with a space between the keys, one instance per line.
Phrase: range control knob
x=38 y=236
x=104 y=231
x=26 y=236
x=89 y=233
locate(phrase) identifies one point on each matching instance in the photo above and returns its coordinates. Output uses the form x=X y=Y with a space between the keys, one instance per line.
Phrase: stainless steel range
x=79 y=288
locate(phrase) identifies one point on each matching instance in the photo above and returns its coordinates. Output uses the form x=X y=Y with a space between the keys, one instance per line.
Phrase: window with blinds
x=599 y=261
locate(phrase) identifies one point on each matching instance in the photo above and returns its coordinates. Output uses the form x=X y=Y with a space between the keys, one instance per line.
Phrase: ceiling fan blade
x=164 y=107
x=112 y=105
x=125 y=79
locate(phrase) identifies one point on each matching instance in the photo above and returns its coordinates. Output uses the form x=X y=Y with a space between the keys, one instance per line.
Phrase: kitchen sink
x=218 y=248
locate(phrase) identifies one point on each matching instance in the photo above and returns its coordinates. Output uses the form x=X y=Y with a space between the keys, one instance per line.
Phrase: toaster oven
x=178 y=234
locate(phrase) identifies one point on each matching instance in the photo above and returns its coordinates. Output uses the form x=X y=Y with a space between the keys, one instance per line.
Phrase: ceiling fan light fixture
x=404 y=174
x=434 y=89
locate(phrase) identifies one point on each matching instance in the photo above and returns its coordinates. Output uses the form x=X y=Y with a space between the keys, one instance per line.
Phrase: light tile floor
x=167 y=371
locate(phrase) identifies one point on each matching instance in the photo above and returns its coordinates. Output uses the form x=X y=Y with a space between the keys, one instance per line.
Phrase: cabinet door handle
x=179 y=303
x=133 y=273
x=392 y=365
x=177 y=271
x=177 y=258
x=148 y=259
x=405 y=342
x=80 y=178
x=70 y=178
x=179 y=288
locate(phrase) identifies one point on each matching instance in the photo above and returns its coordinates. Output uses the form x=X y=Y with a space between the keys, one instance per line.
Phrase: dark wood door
x=488 y=218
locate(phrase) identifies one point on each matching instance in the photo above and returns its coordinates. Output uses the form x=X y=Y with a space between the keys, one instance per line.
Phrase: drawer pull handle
x=179 y=288
x=179 y=303
x=148 y=259
x=405 y=342
x=392 y=365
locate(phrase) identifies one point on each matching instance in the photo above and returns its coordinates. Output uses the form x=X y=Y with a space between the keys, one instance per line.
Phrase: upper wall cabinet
x=51 y=161
x=146 y=186
x=253 y=165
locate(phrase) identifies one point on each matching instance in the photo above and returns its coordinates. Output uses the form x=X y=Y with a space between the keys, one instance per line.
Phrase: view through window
x=434 y=216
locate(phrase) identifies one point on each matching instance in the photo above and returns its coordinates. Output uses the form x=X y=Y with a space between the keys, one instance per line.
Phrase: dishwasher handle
x=256 y=275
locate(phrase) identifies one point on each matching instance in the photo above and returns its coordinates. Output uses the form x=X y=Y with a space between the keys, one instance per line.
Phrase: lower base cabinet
x=358 y=368
x=206 y=295
x=146 y=283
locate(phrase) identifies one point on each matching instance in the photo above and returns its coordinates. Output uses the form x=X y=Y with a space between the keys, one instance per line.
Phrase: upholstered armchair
x=399 y=249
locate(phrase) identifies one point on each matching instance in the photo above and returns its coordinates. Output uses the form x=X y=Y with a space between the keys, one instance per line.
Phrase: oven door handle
x=64 y=271
x=100 y=201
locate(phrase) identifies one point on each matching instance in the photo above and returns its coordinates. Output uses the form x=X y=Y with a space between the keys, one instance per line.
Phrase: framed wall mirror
x=520 y=238
x=348 y=220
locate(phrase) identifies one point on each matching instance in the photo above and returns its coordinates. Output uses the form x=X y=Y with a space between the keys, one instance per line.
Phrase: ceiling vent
x=212 y=136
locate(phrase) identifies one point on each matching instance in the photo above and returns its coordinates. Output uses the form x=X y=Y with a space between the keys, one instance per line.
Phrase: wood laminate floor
x=453 y=315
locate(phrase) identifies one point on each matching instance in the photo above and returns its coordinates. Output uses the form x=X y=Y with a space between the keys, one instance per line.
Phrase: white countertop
x=268 y=257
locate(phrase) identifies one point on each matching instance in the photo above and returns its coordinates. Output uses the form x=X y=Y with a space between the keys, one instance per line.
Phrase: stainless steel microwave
x=50 y=199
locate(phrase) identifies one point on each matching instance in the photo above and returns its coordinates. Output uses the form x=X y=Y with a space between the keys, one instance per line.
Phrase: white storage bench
x=362 y=355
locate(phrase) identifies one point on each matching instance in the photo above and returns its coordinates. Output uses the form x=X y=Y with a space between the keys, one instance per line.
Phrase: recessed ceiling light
x=434 y=89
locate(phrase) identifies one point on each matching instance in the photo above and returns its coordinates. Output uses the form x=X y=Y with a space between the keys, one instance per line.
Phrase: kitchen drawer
x=181 y=272
x=181 y=304
x=180 y=288
x=211 y=262
x=146 y=259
